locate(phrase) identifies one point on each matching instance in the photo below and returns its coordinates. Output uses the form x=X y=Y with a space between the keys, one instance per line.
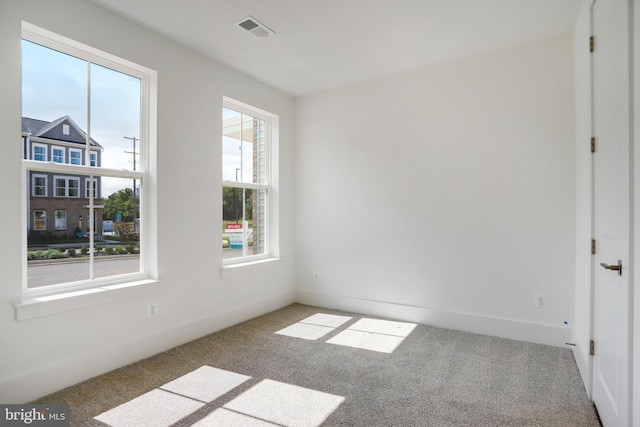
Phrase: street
x=62 y=272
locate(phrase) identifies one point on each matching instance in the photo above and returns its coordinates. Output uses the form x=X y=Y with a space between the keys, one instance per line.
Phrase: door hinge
x=593 y=246
x=592 y=347
x=592 y=44
x=593 y=144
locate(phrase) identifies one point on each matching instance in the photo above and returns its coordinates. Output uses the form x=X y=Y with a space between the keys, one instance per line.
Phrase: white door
x=611 y=174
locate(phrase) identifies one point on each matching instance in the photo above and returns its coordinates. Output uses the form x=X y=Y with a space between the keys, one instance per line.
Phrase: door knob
x=617 y=267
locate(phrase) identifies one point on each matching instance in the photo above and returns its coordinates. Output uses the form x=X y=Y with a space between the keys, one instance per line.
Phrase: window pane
x=116 y=233
x=61 y=220
x=115 y=118
x=243 y=148
x=54 y=85
x=244 y=230
x=56 y=89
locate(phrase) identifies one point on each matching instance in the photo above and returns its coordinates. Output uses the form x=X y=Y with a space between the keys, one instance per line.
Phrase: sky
x=56 y=85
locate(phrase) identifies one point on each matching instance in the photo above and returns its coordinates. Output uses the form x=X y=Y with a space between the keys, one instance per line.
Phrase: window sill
x=242 y=268
x=40 y=306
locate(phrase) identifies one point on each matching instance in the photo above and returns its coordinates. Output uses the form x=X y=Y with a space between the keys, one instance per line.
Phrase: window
x=247 y=143
x=39 y=152
x=88 y=185
x=75 y=156
x=39 y=187
x=106 y=98
x=39 y=220
x=67 y=187
x=57 y=154
x=61 y=220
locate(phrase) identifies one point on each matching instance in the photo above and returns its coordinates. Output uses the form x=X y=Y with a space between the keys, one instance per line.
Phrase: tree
x=121 y=202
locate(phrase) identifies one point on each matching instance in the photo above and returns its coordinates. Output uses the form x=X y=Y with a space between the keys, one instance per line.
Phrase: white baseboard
x=504 y=328
x=43 y=380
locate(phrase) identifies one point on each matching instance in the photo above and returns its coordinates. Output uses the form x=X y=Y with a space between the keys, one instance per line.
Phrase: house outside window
x=75 y=156
x=39 y=152
x=57 y=154
x=247 y=142
x=61 y=220
x=39 y=188
x=84 y=176
x=39 y=220
x=67 y=187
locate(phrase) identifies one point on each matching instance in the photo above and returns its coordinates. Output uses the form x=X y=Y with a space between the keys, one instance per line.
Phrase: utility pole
x=133 y=140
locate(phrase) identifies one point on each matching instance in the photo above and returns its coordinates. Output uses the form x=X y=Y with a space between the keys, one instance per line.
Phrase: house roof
x=53 y=130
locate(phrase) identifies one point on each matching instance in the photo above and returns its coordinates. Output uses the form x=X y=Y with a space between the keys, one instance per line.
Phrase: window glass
x=245 y=185
x=61 y=220
x=96 y=212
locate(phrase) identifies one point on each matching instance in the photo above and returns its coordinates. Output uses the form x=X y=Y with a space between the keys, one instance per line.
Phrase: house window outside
x=61 y=220
x=120 y=96
x=57 y=154
x=89 y=184
x=39 y=185
x=39 y=220
x=246 y=183
x=75 y=156
x=39 y=152
x=67 y=187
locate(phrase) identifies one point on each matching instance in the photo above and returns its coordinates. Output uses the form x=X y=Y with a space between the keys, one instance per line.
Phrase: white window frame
x=232 y=265
x=35 y=145
x=44 y=216
x=55 y=219
x=87 y=188
x=45 y=300
x=53 y=155
x=33 y=184
x=93 y=158
x=75 y=151
x=67 y=187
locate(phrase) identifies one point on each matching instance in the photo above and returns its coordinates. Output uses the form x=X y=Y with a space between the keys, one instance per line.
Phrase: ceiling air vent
x=256 y=28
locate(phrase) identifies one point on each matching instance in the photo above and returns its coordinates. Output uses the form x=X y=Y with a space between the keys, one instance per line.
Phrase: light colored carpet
x=256 y=374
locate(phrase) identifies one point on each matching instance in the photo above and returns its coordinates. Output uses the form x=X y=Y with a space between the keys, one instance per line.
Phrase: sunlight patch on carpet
x=223 y=417
x=323 y=319
x=373 y=334
x=205 y=383
x=285 y=404
x=387 y=327
x=157 y=407
x=315 y=326
x=304 y=331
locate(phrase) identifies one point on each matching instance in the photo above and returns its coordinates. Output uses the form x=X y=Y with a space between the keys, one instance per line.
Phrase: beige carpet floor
x=305 y=365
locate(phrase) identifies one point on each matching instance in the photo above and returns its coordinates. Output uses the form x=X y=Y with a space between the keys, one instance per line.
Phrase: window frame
x=45 y=300
x=55 y=219
x=269 y=186
x=33 y=184
x=35 y=145
x=53 y=154
x=43 y=220
x=67 y=186
x=73 y=151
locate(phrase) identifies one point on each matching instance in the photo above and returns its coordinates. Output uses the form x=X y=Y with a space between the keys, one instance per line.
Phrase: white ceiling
x=321 y=44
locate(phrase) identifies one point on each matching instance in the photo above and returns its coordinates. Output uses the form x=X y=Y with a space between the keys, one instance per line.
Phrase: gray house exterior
x=58 y=203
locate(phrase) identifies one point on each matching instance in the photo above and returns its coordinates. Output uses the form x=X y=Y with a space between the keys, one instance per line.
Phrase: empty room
x=305 y=213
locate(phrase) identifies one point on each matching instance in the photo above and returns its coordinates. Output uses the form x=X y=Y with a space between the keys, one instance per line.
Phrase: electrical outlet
x=540 y=301
x=152 y=309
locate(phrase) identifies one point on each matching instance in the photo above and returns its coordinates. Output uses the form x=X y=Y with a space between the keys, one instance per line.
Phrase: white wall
x=445 y=195
x=41 y=355
x=582 y=333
